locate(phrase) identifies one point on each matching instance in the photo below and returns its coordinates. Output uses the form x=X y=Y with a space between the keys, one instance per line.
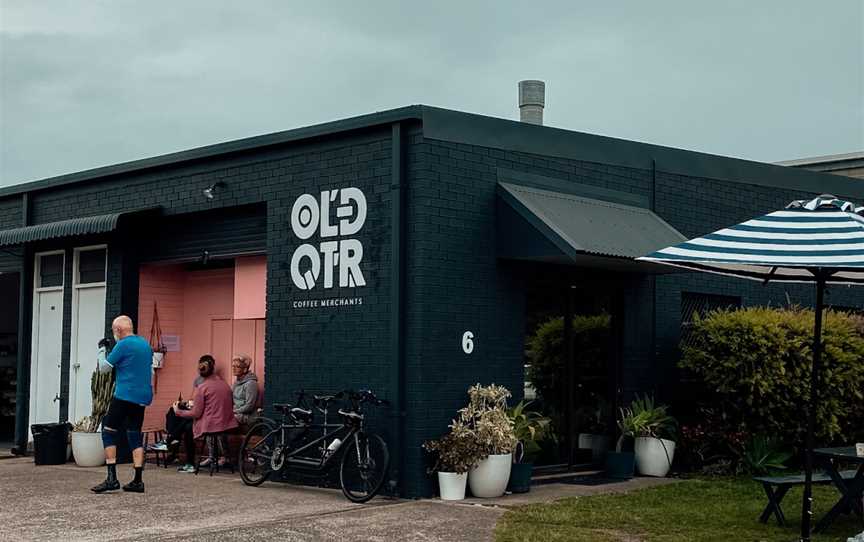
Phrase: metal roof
x=64 y=228
x=828 y=159
x=459 y=127
x=580 y=226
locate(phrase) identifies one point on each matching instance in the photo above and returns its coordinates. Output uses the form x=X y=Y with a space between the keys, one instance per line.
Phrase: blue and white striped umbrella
x=786 y=246
x=819 y=241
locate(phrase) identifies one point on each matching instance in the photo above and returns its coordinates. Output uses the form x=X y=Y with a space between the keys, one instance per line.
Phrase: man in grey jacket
x=245 y=388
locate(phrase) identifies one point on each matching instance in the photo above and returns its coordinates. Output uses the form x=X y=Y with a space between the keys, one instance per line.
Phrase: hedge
x=758 y=361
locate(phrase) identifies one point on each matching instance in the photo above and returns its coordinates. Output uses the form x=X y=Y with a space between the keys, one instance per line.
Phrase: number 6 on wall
x=467 y=342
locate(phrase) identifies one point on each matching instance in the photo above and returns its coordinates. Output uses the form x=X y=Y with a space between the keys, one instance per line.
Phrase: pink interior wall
x=199 y=307
x=165 y=285
x=250 y=287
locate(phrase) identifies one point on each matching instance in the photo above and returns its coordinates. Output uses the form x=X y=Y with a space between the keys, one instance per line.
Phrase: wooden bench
x=776 y=488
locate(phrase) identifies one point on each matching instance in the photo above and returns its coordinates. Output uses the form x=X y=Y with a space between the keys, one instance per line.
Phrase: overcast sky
x=88 y=83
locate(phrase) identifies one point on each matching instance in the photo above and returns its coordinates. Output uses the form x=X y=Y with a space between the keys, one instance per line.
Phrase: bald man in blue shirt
x=131 y=360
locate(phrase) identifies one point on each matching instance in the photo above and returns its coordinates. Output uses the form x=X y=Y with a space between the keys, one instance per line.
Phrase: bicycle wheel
x=364 y=466
x=257 y=453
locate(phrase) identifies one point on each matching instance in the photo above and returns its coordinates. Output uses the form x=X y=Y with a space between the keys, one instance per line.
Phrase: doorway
x=216 y=308
x=572 y=362
x=88 y=324
x=10 y=294
x=48 y=288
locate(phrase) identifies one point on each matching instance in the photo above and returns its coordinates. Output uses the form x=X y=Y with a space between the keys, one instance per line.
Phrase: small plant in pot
x=86 y=439
x=455 y=454
x=530 y=428
x=621 y=464
x=486 y=419
x=654 y=430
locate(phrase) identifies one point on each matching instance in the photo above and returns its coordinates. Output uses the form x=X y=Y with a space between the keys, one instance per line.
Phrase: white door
x=88 y=326
x=47 y=338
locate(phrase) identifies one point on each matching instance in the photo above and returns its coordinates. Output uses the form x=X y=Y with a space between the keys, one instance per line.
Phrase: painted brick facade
x=455 y=282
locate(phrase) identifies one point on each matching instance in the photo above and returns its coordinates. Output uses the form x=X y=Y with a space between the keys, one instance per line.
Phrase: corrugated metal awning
x=65 y=228
x=545 y=225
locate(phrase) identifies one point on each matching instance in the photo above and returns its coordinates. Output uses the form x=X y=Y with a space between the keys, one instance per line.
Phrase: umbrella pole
x=807 y=504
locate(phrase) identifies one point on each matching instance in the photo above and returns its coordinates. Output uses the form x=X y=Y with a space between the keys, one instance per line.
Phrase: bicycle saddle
x=323 y=398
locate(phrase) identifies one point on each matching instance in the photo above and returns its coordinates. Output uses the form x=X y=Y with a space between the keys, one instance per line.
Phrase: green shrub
x=758 y=361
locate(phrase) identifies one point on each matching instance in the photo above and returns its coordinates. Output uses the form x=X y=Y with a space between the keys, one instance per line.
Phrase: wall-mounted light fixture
x=210 y=191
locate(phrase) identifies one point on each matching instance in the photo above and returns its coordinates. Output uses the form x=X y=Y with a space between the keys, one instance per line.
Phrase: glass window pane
x=51 y=270
x=91 y=266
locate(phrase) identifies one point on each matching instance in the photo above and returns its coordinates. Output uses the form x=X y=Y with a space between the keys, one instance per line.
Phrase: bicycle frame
x=320 y=461
x=296 y=456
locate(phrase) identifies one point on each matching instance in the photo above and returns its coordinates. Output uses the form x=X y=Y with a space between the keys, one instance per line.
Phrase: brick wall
x=323 y=349
x=455 y=282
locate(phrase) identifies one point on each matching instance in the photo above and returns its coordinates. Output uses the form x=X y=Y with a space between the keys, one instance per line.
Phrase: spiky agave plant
x=101 y=391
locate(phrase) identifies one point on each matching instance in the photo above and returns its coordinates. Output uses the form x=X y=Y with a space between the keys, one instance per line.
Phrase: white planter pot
x=87 y=449
x=489 y=478
x=654 y=456
x=452 y=485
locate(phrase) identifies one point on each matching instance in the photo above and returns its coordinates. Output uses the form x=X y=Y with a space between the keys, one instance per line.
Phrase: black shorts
x=124 y=415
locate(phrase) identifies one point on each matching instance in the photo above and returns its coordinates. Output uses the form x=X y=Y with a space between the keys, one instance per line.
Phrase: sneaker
x=134 y=487
x=186 y=468
x=160 y=446
x=107 y=485
x=205 y=462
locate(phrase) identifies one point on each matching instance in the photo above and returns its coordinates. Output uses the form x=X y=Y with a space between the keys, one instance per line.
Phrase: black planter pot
x=620 y=465
x=520 y=478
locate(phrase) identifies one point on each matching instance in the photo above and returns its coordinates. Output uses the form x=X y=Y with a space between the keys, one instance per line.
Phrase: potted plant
x=486 y=419
x=530 y=428
x=455 y=454
x=654 y=430
x=620 y=464
x=86 y=440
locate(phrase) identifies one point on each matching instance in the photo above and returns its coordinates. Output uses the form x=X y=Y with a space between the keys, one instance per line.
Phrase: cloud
x=84 y=84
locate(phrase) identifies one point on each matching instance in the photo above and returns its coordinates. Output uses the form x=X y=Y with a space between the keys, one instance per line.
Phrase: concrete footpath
x=54 y=503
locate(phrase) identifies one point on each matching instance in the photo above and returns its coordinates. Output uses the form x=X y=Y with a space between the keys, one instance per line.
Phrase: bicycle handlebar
x=356 y=397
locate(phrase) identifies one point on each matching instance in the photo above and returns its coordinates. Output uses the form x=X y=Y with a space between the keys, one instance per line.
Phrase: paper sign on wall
x=171 y=342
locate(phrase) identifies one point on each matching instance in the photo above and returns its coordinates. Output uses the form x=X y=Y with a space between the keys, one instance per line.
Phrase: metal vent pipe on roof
x=532 y=100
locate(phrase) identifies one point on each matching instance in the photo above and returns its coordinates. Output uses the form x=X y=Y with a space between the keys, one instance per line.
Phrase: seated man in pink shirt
x=212 y=409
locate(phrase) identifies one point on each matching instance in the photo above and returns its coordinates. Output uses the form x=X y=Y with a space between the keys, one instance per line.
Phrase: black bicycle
x=297 y=442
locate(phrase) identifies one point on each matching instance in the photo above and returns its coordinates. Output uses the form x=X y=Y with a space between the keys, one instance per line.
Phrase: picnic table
x=851 y=490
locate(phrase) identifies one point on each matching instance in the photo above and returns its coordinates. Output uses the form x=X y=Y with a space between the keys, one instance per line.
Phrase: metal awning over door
x=86 y=225
x=549 y=226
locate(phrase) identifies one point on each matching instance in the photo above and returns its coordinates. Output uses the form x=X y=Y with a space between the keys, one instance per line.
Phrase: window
x=50 y=270
x=701 y=304
x=91 y=266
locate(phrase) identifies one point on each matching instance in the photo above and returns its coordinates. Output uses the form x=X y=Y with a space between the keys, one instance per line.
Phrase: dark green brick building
x=409 y=251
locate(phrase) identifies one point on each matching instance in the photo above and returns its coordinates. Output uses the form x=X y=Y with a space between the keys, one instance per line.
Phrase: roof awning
x=556 y=227
x=65 y=228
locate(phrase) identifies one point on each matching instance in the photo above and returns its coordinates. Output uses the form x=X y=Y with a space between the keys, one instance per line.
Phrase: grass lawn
x=691 y=510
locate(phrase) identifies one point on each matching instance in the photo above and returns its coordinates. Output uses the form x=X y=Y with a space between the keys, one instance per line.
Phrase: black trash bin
x=49 y=443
